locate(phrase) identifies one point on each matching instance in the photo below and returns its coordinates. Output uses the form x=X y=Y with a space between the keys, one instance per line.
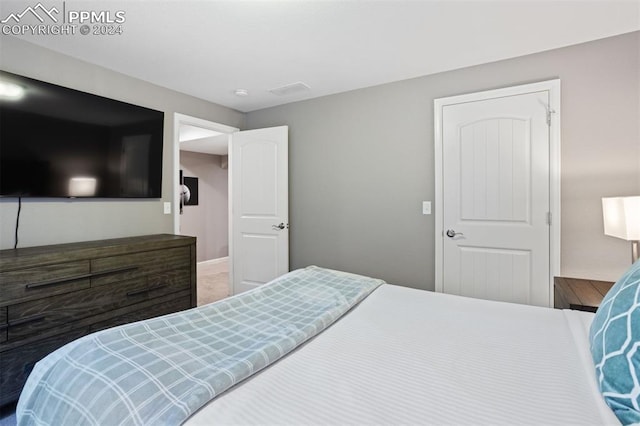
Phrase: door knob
x=451 y=233
x=280 y=226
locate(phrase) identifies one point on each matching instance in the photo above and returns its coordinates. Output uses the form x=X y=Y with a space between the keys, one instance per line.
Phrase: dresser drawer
x=132 y=291
x=18 y=363
x=36 y=316
x=43 y=281
x=169 y=282
x=140 y=264
x=180 y=303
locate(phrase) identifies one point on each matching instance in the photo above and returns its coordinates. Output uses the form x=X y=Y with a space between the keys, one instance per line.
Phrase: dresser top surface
x=86 y=249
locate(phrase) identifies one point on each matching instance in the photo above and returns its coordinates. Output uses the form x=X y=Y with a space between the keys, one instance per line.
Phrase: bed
x=366 y=352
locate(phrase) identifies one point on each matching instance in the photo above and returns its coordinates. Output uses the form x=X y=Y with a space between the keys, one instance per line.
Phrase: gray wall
x=57 y=221
x=361 y=162
x=209 y=220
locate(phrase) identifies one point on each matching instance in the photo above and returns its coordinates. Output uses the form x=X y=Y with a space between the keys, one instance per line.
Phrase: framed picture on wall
x=190 y=197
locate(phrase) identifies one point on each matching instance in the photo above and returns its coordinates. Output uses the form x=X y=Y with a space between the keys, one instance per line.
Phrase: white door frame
x=553 y=86
x=179 y=119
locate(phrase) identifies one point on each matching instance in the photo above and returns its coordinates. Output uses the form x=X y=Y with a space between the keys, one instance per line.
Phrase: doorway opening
x=202 y=199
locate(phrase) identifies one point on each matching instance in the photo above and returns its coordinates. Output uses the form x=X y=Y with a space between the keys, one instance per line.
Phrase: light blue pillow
x=615 y=346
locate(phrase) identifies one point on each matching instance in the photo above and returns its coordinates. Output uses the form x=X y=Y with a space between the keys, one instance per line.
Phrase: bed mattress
x=405 y=356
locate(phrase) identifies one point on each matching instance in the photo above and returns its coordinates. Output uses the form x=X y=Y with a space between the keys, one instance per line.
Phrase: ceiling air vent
x=290 y=89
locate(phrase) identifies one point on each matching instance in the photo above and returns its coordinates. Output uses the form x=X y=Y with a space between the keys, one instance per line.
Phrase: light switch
x=167 y=207
x=426 y=207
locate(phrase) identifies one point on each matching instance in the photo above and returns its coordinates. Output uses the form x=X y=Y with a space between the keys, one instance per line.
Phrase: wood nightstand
x=579 y=294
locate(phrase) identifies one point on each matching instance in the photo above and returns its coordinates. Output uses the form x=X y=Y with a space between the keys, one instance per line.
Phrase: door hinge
x=549 y=218
x=549 y=112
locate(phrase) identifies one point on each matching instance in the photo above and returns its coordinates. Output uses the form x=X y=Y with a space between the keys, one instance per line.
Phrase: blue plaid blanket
x=162 y=370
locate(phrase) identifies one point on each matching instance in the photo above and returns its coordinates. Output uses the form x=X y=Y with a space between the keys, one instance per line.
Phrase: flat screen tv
x=60 y=142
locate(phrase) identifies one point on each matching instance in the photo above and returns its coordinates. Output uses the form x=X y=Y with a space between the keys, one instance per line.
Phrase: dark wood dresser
x=51 y=295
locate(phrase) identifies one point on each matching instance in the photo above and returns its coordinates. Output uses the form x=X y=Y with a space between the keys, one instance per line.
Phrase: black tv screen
x=60 y=142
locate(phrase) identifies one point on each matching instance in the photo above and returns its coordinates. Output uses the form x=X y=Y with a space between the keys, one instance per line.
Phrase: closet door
x=496 y=198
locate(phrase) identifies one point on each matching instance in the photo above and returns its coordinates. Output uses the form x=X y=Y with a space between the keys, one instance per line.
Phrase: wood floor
x=213 y=281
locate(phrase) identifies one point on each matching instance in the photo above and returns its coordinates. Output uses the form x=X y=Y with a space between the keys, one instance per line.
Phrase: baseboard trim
x=214 y=261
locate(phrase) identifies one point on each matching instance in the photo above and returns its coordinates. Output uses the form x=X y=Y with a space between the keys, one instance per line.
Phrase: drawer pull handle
x=80 y=277
x=158 y=287
x=24 y=321
x=137 y=292
x=145 y=290
x=114 y=271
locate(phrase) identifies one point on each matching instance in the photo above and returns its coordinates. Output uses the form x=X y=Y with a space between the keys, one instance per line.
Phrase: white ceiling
x=198 y=139
x=209 y=49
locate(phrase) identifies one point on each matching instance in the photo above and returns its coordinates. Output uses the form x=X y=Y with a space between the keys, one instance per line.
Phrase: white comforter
x=407 y=356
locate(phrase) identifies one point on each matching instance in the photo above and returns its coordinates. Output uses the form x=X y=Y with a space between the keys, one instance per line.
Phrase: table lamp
x=622 y=220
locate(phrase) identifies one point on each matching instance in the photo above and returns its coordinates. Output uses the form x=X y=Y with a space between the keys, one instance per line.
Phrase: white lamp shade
x=622 y=217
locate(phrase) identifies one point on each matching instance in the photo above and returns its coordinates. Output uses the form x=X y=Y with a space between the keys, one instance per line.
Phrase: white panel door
x=258 y=162
x=496 y=199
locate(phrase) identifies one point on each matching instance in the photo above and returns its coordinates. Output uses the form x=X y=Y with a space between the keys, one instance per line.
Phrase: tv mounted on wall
x=60 y=142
